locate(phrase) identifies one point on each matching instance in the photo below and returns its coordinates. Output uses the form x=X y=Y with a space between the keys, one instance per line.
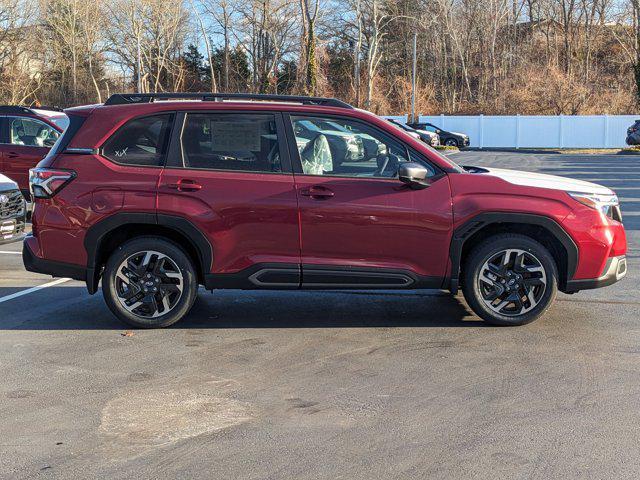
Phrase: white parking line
x=33 y=289
x=11 y=253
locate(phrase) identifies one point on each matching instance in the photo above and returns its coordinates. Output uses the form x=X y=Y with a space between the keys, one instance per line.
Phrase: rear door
x=27 y=140
x=230 y=175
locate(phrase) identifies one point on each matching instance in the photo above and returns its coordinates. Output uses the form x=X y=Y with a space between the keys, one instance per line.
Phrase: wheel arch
x=103 y=237
x=542 y=229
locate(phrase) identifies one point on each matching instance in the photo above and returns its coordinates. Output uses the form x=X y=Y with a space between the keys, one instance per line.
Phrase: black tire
x=182 y=265
x=472 y=287
x=451 y=142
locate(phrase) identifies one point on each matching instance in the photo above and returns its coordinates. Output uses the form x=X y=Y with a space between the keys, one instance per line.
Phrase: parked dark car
x=12 y=211
x=429 y=138
x=26 y=135
x=633 y=134
x=452 y=139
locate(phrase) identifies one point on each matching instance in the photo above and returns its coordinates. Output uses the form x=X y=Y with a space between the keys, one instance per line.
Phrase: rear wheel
x=149 y=283
x=510 y=279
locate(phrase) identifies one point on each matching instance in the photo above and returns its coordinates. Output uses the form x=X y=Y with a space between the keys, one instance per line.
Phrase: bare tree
x=266 y=28
x=223 y=14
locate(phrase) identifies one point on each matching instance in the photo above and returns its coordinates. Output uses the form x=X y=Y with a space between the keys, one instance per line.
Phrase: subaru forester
x=156 y=194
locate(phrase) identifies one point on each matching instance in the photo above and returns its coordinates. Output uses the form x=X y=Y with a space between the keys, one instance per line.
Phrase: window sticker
x=234 y=136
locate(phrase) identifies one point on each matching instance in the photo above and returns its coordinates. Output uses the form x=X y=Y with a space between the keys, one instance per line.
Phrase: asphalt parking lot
x=309 y=385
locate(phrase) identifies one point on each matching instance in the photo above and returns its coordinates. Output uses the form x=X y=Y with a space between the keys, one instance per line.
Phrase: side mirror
x=413 y=174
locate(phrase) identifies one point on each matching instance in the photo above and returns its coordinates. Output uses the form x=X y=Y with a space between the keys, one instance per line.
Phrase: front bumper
x=614 y=271
x=12 y=229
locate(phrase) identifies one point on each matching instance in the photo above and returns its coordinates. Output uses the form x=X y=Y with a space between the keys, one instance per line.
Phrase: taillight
x=47 y=182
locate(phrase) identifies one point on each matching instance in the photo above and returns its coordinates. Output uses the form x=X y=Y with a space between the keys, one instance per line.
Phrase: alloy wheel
x=512 y=282
x=149 y=284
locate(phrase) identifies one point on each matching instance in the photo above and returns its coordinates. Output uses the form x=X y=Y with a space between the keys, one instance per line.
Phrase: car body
x=155 y=196
x=452 y=139
x=26 y=135
x=13 y=211
x=633 y=134
x=429 y=138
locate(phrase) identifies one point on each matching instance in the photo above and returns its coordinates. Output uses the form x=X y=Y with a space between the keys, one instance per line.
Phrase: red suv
x=26 y=135
x=157 y=196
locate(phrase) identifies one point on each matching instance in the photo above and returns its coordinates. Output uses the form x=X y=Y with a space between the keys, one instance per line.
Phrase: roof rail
x=16 y=109
x=128 y=98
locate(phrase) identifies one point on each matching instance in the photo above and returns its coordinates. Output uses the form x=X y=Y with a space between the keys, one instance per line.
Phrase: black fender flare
x=482 y=220
x=97 y=232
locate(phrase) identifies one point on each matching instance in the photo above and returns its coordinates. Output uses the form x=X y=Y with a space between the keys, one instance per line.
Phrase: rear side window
x=236 y=142
x=141 y=141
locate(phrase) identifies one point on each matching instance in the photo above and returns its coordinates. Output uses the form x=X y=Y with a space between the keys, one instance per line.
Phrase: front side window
x=235 y=142
x=31 y=132
x=346 y=148
x=142 y=141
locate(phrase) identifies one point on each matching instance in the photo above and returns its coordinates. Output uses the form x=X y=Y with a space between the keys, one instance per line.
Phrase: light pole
x=413 y=77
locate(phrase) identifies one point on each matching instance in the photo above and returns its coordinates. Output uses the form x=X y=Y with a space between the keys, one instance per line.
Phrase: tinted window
x=347 y=148
x=31 y=132
x=238 y=142
x=141 y=141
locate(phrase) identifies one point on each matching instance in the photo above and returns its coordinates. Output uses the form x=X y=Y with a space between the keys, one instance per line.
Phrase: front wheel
x=451 y=142
x=510 y=279
x=149 y=283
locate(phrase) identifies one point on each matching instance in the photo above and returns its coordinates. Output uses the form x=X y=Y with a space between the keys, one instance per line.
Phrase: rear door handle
x=13 y=155
x=317 y=192
x=185 y=185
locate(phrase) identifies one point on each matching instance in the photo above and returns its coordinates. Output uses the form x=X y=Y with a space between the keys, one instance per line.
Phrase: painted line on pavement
x=33 y=289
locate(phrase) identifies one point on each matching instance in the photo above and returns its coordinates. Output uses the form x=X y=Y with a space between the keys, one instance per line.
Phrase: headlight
x=606 y=204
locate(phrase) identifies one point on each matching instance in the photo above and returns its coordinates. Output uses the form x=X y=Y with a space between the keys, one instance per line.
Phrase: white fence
x=540 y=131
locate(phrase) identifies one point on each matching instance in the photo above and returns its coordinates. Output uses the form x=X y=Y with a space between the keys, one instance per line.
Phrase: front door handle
x=185 y=185
x=317 y=192
x=13 y=155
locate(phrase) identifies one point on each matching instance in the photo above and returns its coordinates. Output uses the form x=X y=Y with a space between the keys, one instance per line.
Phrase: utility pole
x=356 y=54
x=413 y=77
x=139 y=58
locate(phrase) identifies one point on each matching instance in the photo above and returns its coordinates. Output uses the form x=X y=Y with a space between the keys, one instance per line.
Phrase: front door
x=361 y=227
x=231 y=177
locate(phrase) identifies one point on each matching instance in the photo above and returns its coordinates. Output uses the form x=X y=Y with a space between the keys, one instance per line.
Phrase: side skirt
x=319 y=277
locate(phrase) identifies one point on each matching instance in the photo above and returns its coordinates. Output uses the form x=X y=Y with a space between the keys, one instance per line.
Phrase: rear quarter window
x=141 y=141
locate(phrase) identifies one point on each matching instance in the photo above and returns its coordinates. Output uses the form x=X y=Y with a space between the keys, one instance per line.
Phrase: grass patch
x=635 y=149
x=589 y=151
x=446 y=147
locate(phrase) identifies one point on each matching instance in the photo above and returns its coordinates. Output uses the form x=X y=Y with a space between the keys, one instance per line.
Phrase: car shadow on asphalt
x=71 y=308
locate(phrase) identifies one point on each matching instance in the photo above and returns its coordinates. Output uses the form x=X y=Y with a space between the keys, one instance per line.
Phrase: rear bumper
x=614 y=271
x=33 y=263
